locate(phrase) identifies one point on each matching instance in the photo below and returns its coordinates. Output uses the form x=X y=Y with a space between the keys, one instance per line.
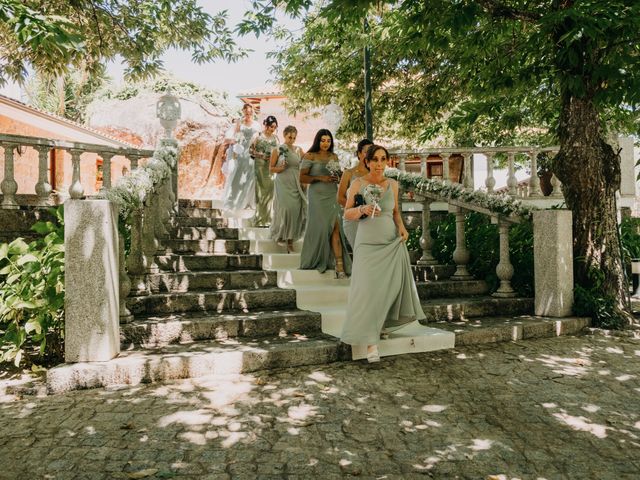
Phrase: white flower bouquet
x=282 y=156
x=373 y=194
x=334 y=167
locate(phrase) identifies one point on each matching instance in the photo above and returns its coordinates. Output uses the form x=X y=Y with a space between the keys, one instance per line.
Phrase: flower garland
x=131 y=191
x=501 y=204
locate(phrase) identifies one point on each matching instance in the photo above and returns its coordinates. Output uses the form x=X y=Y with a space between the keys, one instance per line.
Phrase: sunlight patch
x=320 y=377
x=582 y=424
x=195 y=417
x=434 y=408
x=481 y=444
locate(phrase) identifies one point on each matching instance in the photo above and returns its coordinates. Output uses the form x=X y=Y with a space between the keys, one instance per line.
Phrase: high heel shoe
x=373 y=355
x=290 y=246
x=340 y=269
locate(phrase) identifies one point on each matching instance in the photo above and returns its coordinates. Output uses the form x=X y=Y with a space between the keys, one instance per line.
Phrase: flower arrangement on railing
x=501 y=204
x=131 y=191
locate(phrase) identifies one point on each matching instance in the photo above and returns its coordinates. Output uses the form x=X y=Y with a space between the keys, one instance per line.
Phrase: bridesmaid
x=380 y=257
x=289 y=204
x=324 y=244
x=261 y=152
x=239 y=190
x=350 y=227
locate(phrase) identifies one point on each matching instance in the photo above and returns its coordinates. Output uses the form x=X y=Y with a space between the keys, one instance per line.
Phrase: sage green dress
x=239 y=190
x=289 y=201
x=350 y=227
x=383 y=295
x=323 y=214
x=264 y=181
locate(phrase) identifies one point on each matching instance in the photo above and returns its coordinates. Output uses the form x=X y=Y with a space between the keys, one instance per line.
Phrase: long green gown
x=383 y=294
x=239 y=189
x=289 y=202
x=350 y=227
x=264 y=181
x=324 y=212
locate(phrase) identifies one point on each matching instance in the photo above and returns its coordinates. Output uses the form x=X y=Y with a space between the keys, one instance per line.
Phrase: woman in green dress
x=324 y=245
x=289 y=203
x=351 y=227
x=261 y=152
x=380 y=258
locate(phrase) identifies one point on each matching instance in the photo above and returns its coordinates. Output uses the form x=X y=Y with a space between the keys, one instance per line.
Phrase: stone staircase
x=229 y=300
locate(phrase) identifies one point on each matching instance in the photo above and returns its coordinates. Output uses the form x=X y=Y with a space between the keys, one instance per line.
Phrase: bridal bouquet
x=373 y=194
x=334 y=167
x=282 y=156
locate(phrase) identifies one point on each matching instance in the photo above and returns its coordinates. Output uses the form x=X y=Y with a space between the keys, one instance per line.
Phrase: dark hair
x=270 y=120
x=290 y=128
x=363 y=143
x=371 y=152
x=315 y=147
x=247 y=105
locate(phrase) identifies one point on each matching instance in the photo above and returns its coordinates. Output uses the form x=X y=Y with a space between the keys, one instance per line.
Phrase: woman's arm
x=273 y=160
x=397 y=216
x=343 y=186
x=352 y=212
x=308 y=179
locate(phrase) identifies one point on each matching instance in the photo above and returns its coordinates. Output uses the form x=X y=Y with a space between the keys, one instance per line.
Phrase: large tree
x=50 y=36
x=492 y=69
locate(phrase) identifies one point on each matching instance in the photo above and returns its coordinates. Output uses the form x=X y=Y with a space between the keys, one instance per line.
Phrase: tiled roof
x=272 y=93
x=71 y=123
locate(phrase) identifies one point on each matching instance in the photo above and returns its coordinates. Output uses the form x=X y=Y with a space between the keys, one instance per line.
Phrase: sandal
x=290 y=246
x=340 y=269
x=373 y=355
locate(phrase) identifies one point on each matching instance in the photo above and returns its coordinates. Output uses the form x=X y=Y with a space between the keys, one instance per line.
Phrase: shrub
x=32 y=295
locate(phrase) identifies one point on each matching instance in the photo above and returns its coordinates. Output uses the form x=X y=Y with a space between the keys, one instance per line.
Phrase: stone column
x=125 y=283
x=512 y=182
x=534 y=181
x=9 y=187
x=627 y=167
x=445 y=167
x=553 y=262
x=556 y=184
x=402 y=164
x=490 y=182
x=467 y=179
x=106 y=172
x=426 y=242
x=136 y=261
x=461 y=254
x=423 y=165
x=76 y=191
x=504 y=269
x=43 y=187
x=92 y=332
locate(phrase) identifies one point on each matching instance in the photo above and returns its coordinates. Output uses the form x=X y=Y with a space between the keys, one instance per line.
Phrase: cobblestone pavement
x=555 y=408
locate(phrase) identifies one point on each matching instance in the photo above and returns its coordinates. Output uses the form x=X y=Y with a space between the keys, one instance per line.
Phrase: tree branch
x=500 y=10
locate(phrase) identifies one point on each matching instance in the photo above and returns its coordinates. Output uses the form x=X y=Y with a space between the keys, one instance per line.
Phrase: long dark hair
x=363 y=143
x=371 y=152
x=315 y=147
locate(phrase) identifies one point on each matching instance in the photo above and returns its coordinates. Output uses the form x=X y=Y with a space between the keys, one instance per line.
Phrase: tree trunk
x=589 y=169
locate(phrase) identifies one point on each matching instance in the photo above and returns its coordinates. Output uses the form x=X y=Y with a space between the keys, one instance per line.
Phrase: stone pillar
x=445 y=167
x=137 y=261
x=423 y=166
x=402 y=164
x=426 y=242
x=504 y=269
x=467 y=178
x=534 y=181
x=125 y=283
x=512 y=181
x=43 y=187
x=461 y=254
x=106 y=172
x=553 y=262
x=556 y=184
x=76 y=191
x=490 y=182
x=9 y=186
x=92 y=332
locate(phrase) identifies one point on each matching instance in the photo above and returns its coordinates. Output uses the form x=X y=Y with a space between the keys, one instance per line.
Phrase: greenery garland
x=131 y=191
x=501 y=204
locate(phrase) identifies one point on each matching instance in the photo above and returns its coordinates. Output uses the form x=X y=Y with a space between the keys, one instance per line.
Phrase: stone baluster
x=403 y=163
x=534 y=181
x=423 y=165
x=445 y=167
x=133 y=160
x=163 y=211
x=149 y=241
x=467 y=179
x=556 y=184
x=106 y=172
x=43 y=187
x=461 y=254
x=125 y=283
x=490 y=181
x=426 y=242
x=504 y=269
x=9 y=187
x=136 y=261
x=512 y=182
x=76 y=191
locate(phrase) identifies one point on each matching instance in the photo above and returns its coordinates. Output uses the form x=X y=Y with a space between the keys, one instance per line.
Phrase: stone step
x=507 y=328
x=207 y=246
x=201 y=222
x=213 y=301
x=154 y=331
x=269 y=246
x=292 y=277
x=453 y=309
x=210 y=280
x=185 y=263
x=254 y=233
x=451 y=288
x=277 y=261
x=313 y=297
x=197 y=212
x=195 y=360
x=425 y=273
x=204 y=233
x=195 y=203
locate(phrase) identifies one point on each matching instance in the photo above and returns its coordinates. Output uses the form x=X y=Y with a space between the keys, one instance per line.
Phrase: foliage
x=66 y=95
x=54 y=35
x=32 y=295
x=131 y=191
x=630 y=238
x=497 y=203
x=590 y=302
x=482 y=240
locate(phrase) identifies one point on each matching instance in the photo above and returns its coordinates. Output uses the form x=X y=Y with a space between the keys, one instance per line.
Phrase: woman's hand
x=404 y=235
x=368 y=210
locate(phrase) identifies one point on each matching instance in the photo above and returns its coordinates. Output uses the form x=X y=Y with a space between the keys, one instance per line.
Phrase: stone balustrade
x=16 y=149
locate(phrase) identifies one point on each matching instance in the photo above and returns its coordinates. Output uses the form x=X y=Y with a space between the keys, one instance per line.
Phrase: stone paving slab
x=560 y=408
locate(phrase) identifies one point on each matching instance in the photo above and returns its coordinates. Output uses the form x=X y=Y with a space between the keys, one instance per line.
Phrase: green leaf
x=33 y=326
x=29 y=257
x=4 y=250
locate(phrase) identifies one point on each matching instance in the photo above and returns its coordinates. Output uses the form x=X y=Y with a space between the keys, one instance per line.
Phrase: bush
x=32 y=296
x=589 y=302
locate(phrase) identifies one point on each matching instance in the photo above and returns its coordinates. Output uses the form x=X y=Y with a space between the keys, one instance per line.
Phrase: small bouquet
x=334 y=167
x=373 y=194
x=282 y=156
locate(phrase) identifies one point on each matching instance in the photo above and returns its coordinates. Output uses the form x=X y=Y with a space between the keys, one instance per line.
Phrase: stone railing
x=22 y=146
x=443 y=157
